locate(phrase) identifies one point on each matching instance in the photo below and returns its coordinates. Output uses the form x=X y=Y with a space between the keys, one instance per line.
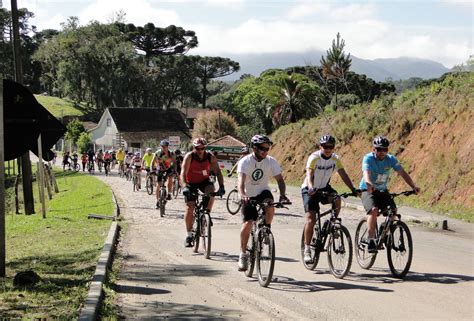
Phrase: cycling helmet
x=137 y=154
x=164 y=142
x=100 y=150
x=244 y=150
x=199 y=141
x=148 y=150
x=260 y=139
x=327 y=140
x=380 y=142
x=129 y=153
x=177 y=152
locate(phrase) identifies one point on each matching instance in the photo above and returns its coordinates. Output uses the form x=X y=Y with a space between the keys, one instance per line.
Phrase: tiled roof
x=89 y=125
x=192 y=112
x=226 y=141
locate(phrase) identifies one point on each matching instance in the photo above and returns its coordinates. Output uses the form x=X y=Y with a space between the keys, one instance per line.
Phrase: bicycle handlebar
x=270 y=203
x=405 y=193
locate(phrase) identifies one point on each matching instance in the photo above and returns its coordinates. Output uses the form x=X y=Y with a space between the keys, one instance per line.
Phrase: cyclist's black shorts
x=162 y=173
x=193 y=188
x=249 y=211
x=377 y=199
x=311 y=203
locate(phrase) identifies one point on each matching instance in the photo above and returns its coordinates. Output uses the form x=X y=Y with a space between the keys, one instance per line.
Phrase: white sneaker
x=243 y=262
x=307 y=256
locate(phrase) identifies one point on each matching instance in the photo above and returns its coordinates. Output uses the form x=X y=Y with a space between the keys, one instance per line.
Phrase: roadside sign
x=174 y=140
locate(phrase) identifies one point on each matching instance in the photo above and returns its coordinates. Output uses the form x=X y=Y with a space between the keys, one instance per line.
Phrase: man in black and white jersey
x=320 y=166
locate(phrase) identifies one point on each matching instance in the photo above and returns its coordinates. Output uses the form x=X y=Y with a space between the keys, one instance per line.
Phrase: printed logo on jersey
x=257 y=174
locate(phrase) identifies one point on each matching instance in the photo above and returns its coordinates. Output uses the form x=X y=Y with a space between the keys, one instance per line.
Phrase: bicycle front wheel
x=265 y=257
x=162 y=201
x=149 y=185
x=364 y=258
x=340 y=251
x=175 y=187
x=399 y=249
x=251 y=253
x=135 y=183
x=233 y=202
x=196 y=233
x=206 y=234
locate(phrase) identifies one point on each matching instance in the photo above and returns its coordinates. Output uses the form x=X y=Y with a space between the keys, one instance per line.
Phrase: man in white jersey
x=254 y=172
x=319 y=168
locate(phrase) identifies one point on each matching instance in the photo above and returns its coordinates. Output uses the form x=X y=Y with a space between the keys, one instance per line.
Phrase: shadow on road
x=139 y=290
x=442 y=278
x=157 y=310
x=281 y=283
x=224 y=257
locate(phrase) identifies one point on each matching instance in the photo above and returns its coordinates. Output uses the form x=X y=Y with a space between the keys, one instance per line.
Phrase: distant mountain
x=378 y=69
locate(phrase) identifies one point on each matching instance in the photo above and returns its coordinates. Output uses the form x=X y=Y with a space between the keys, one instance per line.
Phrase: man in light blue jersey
x=376 y=169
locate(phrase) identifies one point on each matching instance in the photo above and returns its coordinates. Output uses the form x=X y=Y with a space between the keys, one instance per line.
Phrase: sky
x=439 y=30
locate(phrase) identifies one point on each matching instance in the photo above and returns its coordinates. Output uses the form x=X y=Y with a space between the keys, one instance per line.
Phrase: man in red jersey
x=195 y=171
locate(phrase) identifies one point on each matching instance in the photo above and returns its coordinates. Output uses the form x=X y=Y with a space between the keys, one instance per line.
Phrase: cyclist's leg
x=370 y=206
x=170 y=183
x=311 y=207
x=159 y=178
x=190 y=201
x=266 y=196
x=208 y=187
x=248 y=214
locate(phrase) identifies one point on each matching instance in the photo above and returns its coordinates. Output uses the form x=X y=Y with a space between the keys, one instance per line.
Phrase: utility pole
x=2 y=190
x=25 y=158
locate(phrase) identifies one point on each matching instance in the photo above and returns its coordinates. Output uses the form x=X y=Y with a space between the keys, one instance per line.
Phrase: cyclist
x=127 y=160
x=376 y=169
x=164 y=161
x=90 y=159
x=74 y=159
x=147 y=161
x=243 y=152
x=179 y=160
x=107 y=160
x=120 y=157
x=136 y=165
x=254 y=172
x=320 y=166
x=195 y=172
x=84 y=161
x=113 y=158
x=100 y=159
x=66 y=162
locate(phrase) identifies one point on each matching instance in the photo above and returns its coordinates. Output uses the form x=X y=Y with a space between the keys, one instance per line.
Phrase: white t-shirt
x=323 y=168
x=257 y=174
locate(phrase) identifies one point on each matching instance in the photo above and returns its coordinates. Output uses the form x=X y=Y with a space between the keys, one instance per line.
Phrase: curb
x=95 y=295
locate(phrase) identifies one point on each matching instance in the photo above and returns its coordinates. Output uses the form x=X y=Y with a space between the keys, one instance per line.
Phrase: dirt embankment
x=433 y=138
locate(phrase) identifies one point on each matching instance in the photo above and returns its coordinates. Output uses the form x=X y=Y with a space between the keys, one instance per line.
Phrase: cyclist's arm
x=217 y=171
x=408 y=179
x=241 y=186
x=310 y=178
x=368 y=181
x=185 y=169
x=281 y=185
x=346 y=179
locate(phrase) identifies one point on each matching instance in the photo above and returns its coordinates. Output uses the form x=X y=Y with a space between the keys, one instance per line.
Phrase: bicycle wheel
x=206 y=235
x=176 y=188
x=196 y=233
x=364 y=258
x=251 y=253
x=135 y=183
x=340 y=251
x=399 y=249
x=233 y=202
x=162 y=201
x=120 y=171
x=315 y=250
x=265 y=257
x=149 y=185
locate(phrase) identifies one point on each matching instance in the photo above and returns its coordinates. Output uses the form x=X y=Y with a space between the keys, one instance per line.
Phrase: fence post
x=47 y=182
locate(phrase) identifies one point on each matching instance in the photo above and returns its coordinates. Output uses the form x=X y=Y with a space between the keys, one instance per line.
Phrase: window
x=109 y=122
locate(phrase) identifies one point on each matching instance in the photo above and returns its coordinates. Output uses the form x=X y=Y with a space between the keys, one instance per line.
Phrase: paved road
x=160 y=278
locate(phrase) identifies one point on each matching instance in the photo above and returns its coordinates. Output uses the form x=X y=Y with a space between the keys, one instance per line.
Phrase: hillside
x=60 y=107
x=432 y=134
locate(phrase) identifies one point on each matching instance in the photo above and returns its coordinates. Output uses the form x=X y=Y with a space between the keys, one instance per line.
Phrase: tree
x=83 y=142
x=336 y=64
x=208 y=68
x=155 y=41
x=74 y=130
x=214 y=124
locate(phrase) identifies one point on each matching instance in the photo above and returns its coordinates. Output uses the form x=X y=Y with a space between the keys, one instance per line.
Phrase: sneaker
x=168 y=197
x=189 y=241
x=307 y=256
x=371 y=247
x=243 y=262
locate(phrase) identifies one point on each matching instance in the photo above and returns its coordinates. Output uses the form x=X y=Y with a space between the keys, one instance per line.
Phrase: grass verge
x=62 y=249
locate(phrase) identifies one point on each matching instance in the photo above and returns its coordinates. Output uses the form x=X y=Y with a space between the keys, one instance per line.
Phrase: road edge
x=95 y=296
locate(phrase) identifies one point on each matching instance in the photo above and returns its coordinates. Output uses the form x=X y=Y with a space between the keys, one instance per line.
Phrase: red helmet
x=199 y=141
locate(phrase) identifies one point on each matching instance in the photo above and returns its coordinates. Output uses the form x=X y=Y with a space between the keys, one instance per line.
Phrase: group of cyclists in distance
x=254 y=169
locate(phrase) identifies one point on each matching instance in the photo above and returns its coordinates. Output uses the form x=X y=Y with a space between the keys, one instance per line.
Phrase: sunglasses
x=381 y=149
x=327 y=146
x=199 y=148
x=263 y=149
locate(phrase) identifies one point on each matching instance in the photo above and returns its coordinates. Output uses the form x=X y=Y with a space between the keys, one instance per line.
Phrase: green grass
x=60 y=107
x=63 y=249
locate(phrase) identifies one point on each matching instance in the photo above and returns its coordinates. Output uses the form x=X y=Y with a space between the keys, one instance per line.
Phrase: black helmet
x=260 y=139
x=177 y=152
x=327 y=140
x=380 y=142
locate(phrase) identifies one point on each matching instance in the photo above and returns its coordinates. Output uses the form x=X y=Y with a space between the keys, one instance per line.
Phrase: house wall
x=104 y=136
x=132 y=138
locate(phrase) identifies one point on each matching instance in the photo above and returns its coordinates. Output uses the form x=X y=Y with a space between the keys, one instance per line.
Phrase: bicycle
x=149 y=181
x=163 y=194
x=90 y=167
x=176 y=186
x=75 y=166
x=135 y=174
x=121 y=172
x=107 y=167
x=331 y=237
x=261 y=244
x=393 y=234
x=99 y=165
x=233 y=201
x=128 y=173
x=202 y=223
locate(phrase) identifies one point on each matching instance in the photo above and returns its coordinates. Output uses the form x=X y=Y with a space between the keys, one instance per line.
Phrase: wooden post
x=47 y=182
x=53 y=178
x=2 y=190
x=41 y=176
